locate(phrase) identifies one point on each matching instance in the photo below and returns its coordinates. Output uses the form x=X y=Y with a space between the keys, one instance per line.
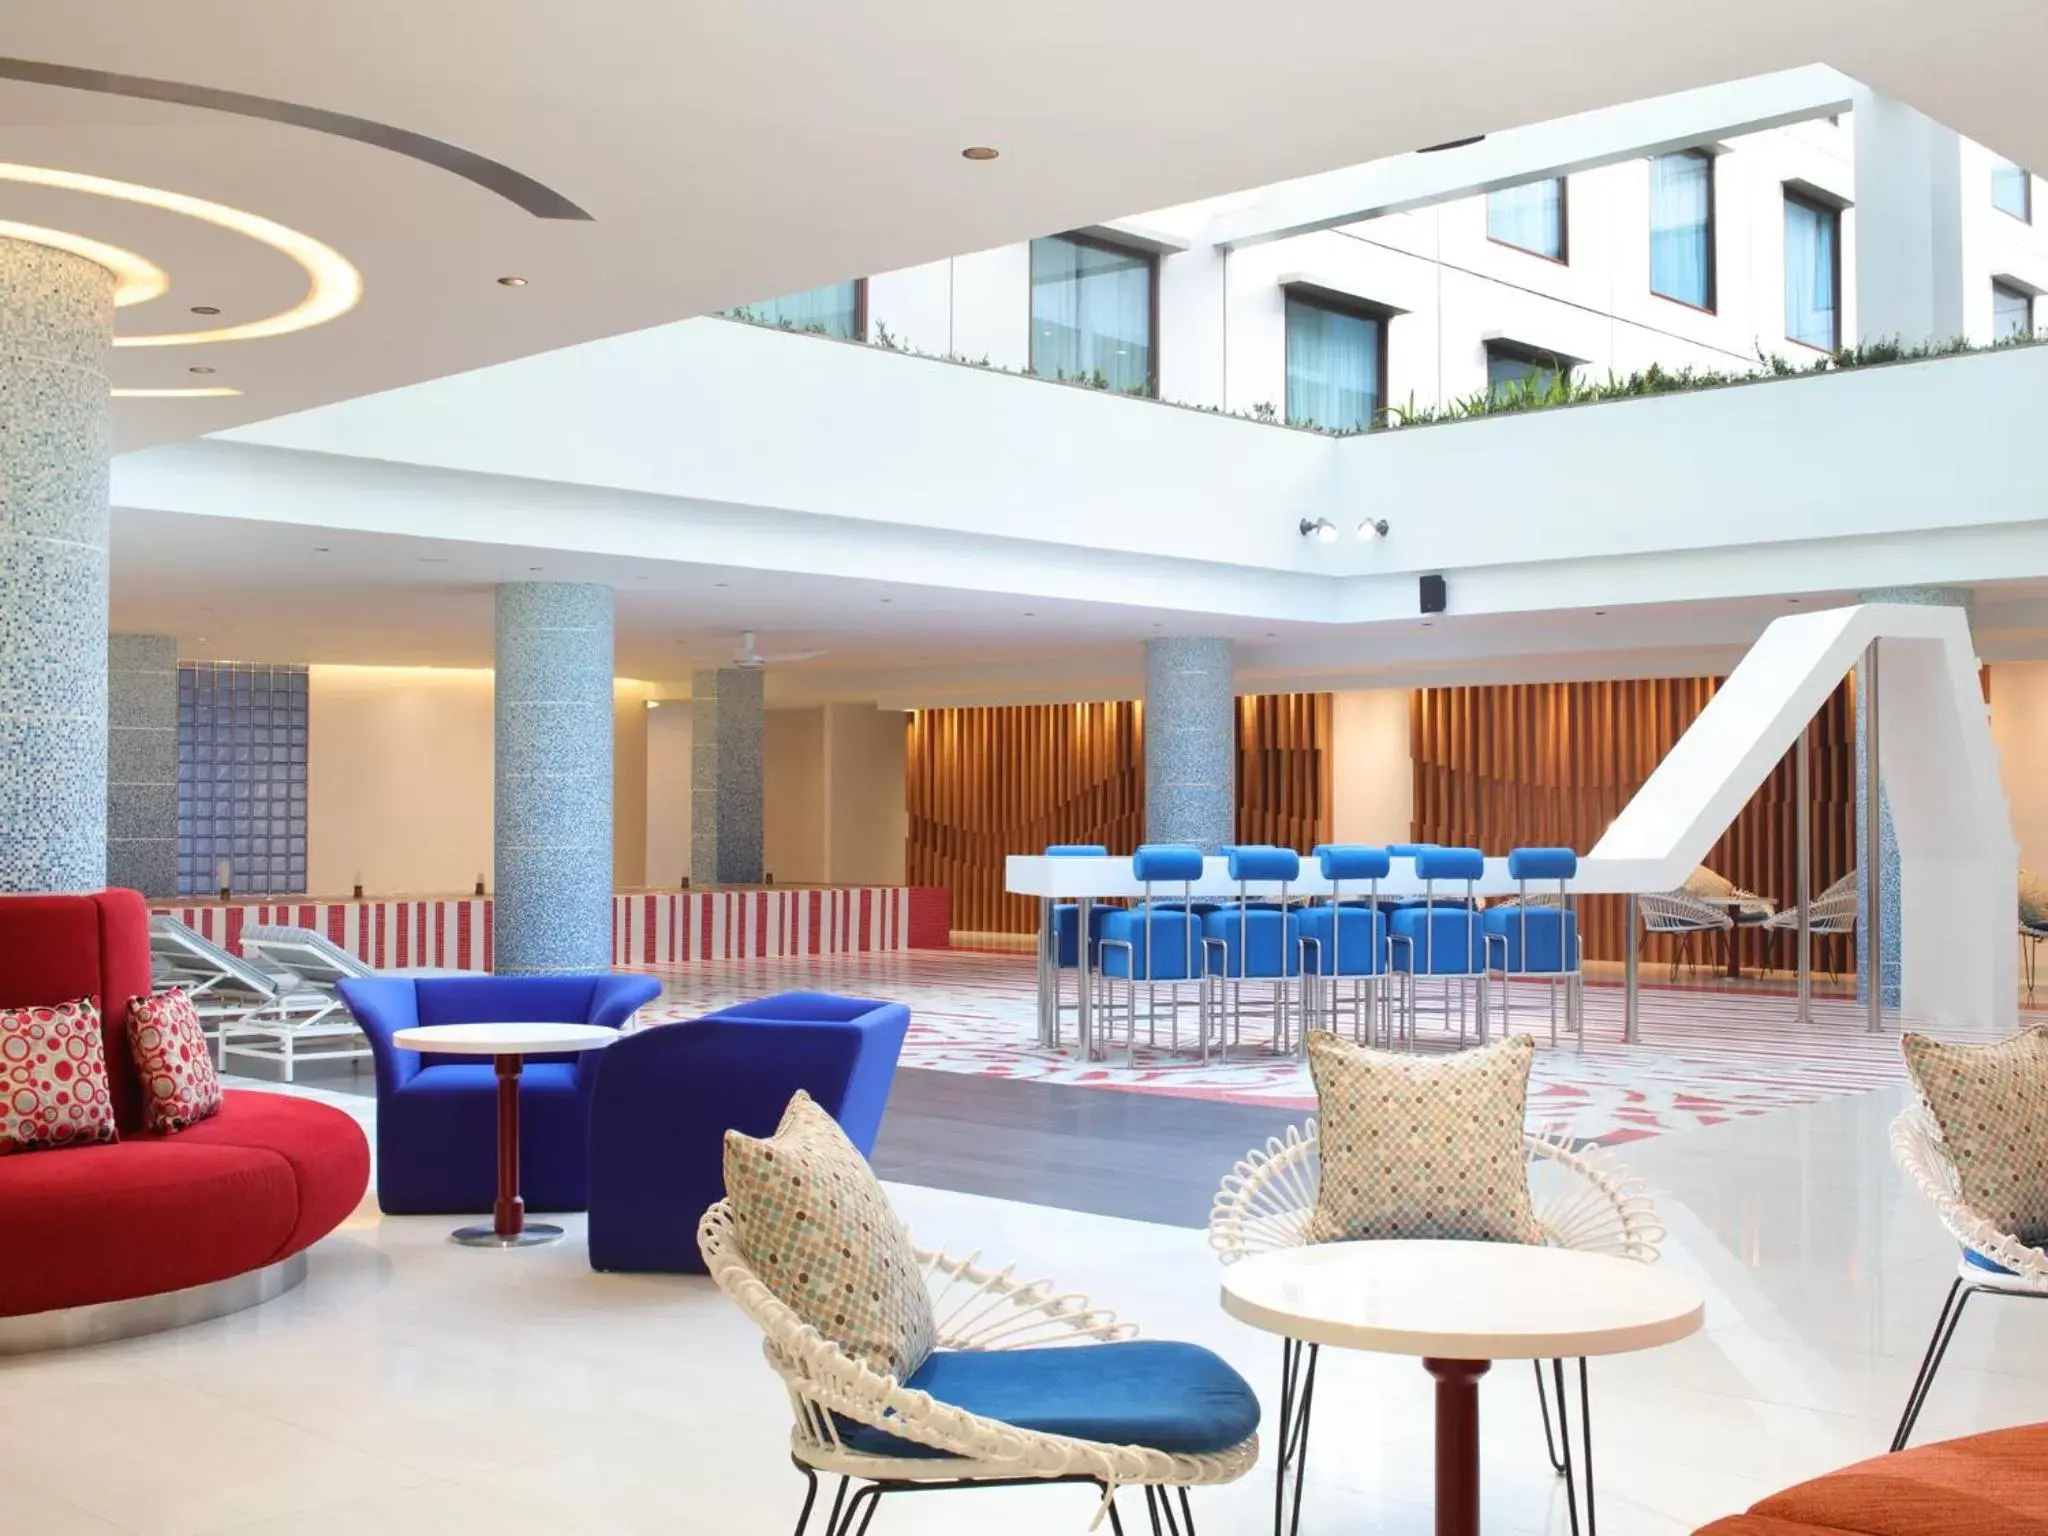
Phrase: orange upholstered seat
x=1983 y=1485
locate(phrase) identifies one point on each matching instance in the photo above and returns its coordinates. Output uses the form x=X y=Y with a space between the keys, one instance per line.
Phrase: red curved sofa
x=262 y=1180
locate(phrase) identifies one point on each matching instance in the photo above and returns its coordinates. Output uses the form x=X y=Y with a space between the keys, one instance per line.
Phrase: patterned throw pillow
x=814 y=1224
x=179 y=1087
x=53 y=1078
x=1420 y=1146
x=2033 y=901
x=1707 y=885
x=1991 y=1102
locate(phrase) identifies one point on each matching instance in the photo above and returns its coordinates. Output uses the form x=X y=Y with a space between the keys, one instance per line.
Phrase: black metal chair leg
x=1930 y=1363
x=1116 y=1521
x=1187 y=1512
x=1557 y=1464
x=838 y=1504
x=873 y=1494
x=1564 y=1436
x=1586 y=1429
x=1302 y=1411
x=1152 y=1509
x=1297 y=1389
x=803 y=1520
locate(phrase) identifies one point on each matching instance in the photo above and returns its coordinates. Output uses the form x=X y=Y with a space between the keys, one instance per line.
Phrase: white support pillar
x=1909 y=225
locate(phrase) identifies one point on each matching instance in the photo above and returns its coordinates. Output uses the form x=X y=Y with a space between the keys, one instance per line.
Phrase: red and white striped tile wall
x=648 y=927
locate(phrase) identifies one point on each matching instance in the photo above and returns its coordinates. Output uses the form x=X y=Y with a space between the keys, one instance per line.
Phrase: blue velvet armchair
x=437 y=1116
x=665 y=1098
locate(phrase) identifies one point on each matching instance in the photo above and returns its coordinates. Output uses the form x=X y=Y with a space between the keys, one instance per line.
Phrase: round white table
x=508 y=1045
x=1460 y=1306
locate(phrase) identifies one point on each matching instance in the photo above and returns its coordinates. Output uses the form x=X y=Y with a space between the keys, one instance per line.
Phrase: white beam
x=1561 y=147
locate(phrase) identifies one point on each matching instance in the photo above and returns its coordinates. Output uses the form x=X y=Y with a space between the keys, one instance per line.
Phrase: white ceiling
x=733 y=150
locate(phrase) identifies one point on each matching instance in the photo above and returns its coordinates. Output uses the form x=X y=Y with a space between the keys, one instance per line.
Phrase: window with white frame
x=1336 y=364
x=1092 y=313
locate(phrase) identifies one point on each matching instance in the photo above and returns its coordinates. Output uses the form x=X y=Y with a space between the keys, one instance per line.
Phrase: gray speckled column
x=1890 y=924
x=1190 y=743
x=726 y=792
x=142 y=763
x=56 y=323
x=553 y=852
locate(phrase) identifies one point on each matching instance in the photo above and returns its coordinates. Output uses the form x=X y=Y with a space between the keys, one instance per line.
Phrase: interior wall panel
x=1552 y=764
x=984 y=783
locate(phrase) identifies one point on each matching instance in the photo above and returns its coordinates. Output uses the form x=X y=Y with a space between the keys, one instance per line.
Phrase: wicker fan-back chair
x=1583 y=1198
x=1993 y=1262
x=976 y=1309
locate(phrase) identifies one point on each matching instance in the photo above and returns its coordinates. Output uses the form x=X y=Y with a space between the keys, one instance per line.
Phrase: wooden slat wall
x=984 y=783
x=1551 y=764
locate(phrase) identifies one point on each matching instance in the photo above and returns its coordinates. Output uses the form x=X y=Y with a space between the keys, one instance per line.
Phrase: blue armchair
x=665 y=1098
x=437 y=1116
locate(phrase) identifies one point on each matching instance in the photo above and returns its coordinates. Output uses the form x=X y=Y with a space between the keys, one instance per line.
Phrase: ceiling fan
x=748 y=659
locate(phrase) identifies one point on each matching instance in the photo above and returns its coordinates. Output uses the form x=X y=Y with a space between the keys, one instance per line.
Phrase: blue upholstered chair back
x=383 y=1005
x=1450 y=864
x=1253 y=862
x=1408 y=850
x=1342 y=941
x=1353 y=861
x=666 y=1096
x=1159 y=862
x=1542 y=864
x=1076 y=851
x=1165 y=944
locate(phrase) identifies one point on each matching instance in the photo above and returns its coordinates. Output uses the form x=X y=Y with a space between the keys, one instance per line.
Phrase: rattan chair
x=977 y=1309
x=1583 y=1198
x=1993 y=1263
x=1676 y=913
x=1831 y=913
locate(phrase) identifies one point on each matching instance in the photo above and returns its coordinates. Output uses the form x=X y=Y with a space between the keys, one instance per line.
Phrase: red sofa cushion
x=326 y=1151
x=1981 y=1485
x=56 y=949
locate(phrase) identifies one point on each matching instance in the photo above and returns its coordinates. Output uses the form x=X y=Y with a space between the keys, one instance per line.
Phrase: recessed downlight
x=511 y=282
x=205 y=309
x=199 y=368
x=979 y=152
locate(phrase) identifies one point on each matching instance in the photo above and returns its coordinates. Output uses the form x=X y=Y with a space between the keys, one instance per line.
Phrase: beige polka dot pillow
x=813 y=1223
x=1422 y=1147
x=1991 y=1102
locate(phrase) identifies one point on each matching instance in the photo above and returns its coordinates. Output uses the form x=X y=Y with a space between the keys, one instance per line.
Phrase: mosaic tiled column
x=1889 y=926
x=553 y=813
x=142 y=763
x=1190 y=742
x=56 y=322
x=726 y=791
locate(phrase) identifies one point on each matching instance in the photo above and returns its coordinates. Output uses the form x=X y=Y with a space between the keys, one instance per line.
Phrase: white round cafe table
x=508 y=1045
x=1460 y=1306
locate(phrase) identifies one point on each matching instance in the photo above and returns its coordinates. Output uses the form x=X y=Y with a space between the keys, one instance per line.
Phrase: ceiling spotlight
x=1373 y=528
x=320 y=549
x=199 y=368
x=979 y=152
x=654 y=703
x=205 y=309
x=1321 y=529
x=512 y=282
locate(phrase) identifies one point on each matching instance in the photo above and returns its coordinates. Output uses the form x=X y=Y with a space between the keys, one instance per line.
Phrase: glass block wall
x=241 y=778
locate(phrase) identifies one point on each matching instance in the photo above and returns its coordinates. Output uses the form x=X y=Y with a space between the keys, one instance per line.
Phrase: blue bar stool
x=1443 y=939
x=1254 y=940
x=1537 y=939
x=1059 y=947
x=1154 y=943
x=1346 y=942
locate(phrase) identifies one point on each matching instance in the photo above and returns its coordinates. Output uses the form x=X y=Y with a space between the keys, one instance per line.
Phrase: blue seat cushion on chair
x=1457 y=949
x=1542 y=864
x=1066 y=928
x=1176 y=1398
x=536 y=1079
x=1977 y=1260
x=1261 y=943
x=1166 y=944
x=1547 y=953
x=1342 y=941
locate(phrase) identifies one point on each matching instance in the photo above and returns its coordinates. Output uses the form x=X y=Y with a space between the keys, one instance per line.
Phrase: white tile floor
x=415 y=1387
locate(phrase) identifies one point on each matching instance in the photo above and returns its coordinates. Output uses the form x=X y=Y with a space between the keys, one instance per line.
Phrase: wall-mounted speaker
x=1433 y=594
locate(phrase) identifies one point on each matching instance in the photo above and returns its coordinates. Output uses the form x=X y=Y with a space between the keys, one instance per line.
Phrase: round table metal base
x=532 y=1235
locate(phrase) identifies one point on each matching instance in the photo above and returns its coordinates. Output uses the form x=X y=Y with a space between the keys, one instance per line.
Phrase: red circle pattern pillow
x=179 y=1085
x=53 y=1078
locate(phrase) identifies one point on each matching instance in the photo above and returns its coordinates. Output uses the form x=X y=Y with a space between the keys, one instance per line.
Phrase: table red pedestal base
x=1457 y=1444
x=509 y=1227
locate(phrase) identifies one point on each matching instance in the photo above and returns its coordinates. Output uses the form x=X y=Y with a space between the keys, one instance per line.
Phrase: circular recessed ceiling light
x=199 y=368
x=721 y=583
x=511 y=282
x=205 y=309
x=197 y=392
x=137 y=279
x=979 y=152
x=333 y=284
x=321 y=549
